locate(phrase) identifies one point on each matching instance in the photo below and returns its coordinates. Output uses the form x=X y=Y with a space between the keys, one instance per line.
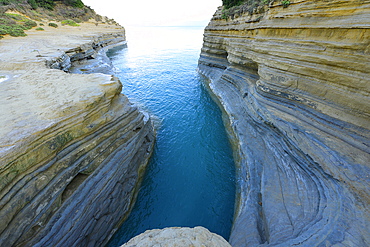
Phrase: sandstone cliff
x=72 y=147
x=295 y=85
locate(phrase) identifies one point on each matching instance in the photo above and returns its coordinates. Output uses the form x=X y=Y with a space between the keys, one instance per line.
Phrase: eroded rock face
x=295 y=85
x=73 y=147
x=178 y=237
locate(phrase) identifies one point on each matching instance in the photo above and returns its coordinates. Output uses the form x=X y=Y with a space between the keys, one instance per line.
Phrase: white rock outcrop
x=178 y=237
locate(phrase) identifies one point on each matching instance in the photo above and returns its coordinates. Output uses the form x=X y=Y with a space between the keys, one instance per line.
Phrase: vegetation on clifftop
x=231 y=3
x=47 y=4
x=29 y=12
x=237 y=7
x=15 y=25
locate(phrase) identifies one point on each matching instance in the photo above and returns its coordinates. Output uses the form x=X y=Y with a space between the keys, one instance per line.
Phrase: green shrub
x=18 y=19
x=3 y=30
x=74 y=3
x=231 y=3
x=28 y=24
x=16 y=31
x=5 y=2
x=234 y=8
x=285 y=3
x=33 y=4
x=39 y=29
x=15 y=17
x=46 y=4
x=73 y=11
x=51 y=24
x=70 y=23
x=15 y=25
x=5 y=21
x=41 y=24
x=225 y=14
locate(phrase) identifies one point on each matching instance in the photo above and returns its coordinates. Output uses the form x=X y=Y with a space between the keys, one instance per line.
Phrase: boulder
x=177 y=237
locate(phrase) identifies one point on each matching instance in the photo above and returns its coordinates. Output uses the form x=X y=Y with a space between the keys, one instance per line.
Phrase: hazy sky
x=156 y=12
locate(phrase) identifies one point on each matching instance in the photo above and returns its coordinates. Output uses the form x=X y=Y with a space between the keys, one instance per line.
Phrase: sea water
x=190 y=179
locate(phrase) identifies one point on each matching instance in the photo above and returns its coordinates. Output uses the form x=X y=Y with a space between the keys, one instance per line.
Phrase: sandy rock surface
x=31 y=94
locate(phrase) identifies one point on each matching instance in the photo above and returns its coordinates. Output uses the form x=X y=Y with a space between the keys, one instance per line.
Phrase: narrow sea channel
x=190 y=180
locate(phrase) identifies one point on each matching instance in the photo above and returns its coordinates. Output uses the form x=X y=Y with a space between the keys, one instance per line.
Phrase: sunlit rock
x=73 y=148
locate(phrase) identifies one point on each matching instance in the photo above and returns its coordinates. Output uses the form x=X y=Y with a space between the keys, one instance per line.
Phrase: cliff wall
x=73 y=147
x=295 y=85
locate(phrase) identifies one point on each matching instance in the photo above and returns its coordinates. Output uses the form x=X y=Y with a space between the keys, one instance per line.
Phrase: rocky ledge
x=295 y=85
x=72 y=146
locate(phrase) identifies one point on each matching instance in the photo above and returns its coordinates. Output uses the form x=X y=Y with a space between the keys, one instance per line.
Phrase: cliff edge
x=72 y=147
x=294 y=82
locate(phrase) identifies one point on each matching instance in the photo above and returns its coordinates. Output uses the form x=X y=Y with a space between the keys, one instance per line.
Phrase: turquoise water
x=190 y=180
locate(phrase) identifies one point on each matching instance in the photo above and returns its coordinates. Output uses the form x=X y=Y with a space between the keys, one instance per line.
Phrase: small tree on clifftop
x=74 y=3
x=50 y=4
x=231 y=3
x=47 y=4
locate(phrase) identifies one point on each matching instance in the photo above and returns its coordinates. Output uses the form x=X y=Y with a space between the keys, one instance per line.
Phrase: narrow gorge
x=292 y=79
x=294 y=82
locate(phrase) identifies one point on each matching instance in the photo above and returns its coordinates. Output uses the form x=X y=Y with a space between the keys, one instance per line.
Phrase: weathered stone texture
x=295 y=85
x=73 y=148
x=177 y=237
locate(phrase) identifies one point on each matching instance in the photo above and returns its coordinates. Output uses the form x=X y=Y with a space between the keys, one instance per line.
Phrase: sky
x=156 y=13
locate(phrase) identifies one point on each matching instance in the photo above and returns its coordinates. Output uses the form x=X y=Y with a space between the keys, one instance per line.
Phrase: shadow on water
x=190 y=179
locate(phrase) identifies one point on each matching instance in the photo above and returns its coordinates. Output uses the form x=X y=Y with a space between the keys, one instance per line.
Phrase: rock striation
x=72 y=147
x=178 y=237
x=295 y=83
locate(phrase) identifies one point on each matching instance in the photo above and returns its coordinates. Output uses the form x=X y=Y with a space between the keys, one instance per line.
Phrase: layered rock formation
x=179 y=237
x=295 y=85
x=72 y=146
